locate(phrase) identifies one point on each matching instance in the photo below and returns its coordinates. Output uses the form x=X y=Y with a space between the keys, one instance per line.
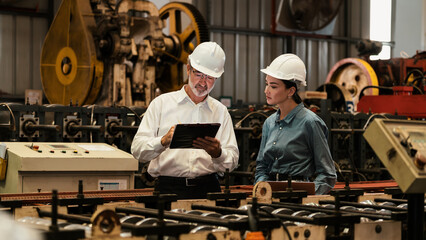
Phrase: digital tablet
x=185 y=134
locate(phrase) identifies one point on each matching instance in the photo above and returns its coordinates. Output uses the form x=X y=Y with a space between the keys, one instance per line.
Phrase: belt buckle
x=188 y=184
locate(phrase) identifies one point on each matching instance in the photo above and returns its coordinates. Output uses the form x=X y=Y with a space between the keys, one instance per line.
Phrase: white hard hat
x=208 y=58
x=287 y=67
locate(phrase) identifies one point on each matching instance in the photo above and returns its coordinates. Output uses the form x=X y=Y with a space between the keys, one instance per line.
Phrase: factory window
x=380 y=25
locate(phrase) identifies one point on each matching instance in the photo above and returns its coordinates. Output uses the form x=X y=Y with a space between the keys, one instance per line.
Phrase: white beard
x=196 y=91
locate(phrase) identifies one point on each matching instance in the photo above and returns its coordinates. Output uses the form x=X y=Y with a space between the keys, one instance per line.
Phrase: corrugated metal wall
x=242 y=27
x=22 y=31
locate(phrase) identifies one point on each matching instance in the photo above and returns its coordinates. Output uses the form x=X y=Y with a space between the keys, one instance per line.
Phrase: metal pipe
x=124 y=128
x=328 y=210
x=396 y=201
x=228 y=210
x=148 y=212
x=137 y=230
x=69 y=217
x=308 y=36
x=360 y=205
x=242 y=224
x=40 y=127
x=76 y=218
x=6 y=125
x=90 y=128
x=338 y=130
x=54 y=218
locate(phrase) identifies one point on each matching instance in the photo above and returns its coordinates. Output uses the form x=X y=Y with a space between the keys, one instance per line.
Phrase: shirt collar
x=182 y=96
x=287 y=119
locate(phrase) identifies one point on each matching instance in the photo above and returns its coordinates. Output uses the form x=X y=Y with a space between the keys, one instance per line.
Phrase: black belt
x=285 y=177
x=189 y=182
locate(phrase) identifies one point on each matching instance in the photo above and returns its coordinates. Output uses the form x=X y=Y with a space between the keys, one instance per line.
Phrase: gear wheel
x=180 y=42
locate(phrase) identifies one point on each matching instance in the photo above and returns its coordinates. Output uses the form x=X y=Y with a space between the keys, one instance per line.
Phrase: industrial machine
x=360 y=90
x=266 y=210
x=400 y=145
x=116 y=53
x=101 y=56
x=43 y=166
x=394 y=86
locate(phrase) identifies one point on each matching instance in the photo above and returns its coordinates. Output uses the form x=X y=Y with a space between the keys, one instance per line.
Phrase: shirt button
x=276 y=158
x=275 y=142
x=281 y=128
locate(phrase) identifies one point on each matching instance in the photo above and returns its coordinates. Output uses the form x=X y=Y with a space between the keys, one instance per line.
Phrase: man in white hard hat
x=294 y=139
x=191 y=172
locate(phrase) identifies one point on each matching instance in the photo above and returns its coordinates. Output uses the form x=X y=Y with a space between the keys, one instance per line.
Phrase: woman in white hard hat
x=294 y=139
x=189 y=172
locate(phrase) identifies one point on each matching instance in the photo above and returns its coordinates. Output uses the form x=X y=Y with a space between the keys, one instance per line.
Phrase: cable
x=131 y=110
x=362 y=175
x=282 y=224
x=419 y=79
x=238 y=124
x=411 y=72
x=361 y=94
x=418 y=89
x=413 y=84
x=91 y=121
x=13 y=126
x=339 y=170
x=404 y=54
x=372 y=115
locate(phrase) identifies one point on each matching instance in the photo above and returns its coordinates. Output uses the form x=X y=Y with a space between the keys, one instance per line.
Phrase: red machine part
x=393 y=72
x=401 y=103
x=368 y=186
x=403 y=74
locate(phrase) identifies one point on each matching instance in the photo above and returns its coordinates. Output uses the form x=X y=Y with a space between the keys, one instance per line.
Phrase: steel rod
x=34 y=127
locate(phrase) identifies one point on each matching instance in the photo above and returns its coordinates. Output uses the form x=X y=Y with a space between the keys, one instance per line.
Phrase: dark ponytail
x=289 y=84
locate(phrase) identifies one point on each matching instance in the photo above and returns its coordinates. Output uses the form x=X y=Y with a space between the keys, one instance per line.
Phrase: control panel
x=42 y=166
x=401 y=146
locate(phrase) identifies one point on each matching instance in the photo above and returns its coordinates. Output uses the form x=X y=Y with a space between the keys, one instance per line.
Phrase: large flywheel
x=70 y=70
x=354 y=75
x=187 y=28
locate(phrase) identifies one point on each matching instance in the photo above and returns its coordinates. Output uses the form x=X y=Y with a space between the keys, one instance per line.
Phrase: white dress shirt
x=176 y=107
